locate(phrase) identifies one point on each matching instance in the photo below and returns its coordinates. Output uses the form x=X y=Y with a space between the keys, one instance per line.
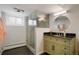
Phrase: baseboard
x=14 y=46
x=31 y=49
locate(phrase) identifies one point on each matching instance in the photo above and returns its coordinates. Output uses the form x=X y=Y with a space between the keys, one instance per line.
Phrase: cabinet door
x=62 y=49
x=57 y=46
x=59 y=49
x=49 y=45
x=51 y=48
x=46 y=43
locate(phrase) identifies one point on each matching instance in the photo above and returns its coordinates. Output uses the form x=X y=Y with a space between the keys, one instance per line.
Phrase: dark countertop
x=60 y=35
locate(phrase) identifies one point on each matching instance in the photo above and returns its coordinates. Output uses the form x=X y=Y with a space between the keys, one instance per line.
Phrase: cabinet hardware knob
x=53 y=47
x=64 y=48
x=64 y=41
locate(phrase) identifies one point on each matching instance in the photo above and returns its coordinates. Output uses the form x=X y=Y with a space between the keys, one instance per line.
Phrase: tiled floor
x=18 y=51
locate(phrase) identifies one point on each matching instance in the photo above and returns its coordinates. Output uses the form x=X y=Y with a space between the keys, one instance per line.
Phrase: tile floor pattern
x=18 y=51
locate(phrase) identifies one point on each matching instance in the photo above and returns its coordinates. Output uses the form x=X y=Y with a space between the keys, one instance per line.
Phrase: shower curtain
x=2 y=35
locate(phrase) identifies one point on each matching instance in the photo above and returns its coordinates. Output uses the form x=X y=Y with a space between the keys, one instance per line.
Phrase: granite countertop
x=59 y=35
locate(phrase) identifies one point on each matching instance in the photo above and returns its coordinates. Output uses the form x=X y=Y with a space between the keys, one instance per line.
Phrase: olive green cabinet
x=59 y=45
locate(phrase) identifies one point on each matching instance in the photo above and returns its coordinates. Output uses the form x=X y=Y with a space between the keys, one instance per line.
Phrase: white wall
x=39 y=39
x=73 y=15
x=15 y=35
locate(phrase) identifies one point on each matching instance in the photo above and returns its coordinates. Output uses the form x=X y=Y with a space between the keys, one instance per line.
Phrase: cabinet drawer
x=46 y=36
x=67 y=52
x=63 y=40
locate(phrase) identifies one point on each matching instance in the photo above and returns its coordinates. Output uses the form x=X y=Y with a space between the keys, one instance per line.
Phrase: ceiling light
x=19 y=10
x=59 y=13
x=41 y=18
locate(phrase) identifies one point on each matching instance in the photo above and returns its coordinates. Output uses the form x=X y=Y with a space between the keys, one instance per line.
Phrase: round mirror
x=62 y=23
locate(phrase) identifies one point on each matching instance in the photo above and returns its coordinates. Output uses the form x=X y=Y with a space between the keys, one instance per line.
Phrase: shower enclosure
x=35 y=20
x=31 y=24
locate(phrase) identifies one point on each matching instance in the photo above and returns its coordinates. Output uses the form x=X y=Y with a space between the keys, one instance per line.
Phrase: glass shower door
x=31 y=33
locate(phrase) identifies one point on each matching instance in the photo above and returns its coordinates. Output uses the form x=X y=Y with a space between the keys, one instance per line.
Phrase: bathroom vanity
x=58 y=44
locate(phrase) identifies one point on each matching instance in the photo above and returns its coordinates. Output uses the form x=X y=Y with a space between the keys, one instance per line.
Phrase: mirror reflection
x=62 y=23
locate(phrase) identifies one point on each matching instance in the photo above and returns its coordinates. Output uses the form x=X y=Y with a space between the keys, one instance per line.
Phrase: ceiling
x=45 y=8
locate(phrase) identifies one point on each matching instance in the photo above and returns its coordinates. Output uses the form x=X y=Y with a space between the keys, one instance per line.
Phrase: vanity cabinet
x=59 y=45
